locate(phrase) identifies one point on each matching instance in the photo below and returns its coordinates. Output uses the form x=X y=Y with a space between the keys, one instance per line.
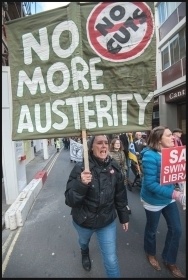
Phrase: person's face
x=100 y=147
x=167 y=139
x=138 y=135
x=117 y=145
x=177 y=134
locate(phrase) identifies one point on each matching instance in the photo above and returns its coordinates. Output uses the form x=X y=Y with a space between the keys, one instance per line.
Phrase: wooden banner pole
x=85 y=147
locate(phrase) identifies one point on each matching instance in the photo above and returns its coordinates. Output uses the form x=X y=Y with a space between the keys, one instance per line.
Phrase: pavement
x=47 y=245
x=33 y=167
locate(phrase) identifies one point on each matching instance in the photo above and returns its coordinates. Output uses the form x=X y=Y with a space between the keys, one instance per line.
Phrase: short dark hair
x=155 y=137
x=177 y=130
x=90 y=143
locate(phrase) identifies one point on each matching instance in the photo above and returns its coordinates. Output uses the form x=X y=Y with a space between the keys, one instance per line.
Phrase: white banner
x=76 y=151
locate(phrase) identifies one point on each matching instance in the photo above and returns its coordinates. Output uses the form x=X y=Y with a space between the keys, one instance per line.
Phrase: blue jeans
x=171 y=215
x=106 y=237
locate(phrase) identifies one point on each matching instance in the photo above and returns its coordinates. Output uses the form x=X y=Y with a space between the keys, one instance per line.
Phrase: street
x=47 y=245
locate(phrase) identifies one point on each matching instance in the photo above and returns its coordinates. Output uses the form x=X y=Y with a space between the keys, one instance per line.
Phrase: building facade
x=12 y=11
x=15 y=154
x=170 y=89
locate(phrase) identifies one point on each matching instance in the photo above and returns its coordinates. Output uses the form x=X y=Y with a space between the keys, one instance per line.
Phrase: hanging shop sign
x=175 y=94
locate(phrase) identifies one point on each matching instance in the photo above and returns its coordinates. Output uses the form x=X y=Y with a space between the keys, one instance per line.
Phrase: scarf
x=101 y=163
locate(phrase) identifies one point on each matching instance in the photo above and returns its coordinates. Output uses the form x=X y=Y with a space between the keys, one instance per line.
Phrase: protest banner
x=82 y=67
x=132 y=153
x=76 y=151
x=173 y=165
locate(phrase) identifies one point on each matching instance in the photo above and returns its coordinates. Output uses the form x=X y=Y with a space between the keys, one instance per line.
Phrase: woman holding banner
x=97 y=196
x=160 y=199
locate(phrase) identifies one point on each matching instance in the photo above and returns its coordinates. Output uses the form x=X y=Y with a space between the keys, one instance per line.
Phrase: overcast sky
x=44 y=6
x=52 y=5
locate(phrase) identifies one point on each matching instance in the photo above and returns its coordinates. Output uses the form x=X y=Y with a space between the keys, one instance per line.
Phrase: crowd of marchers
x=97 y=194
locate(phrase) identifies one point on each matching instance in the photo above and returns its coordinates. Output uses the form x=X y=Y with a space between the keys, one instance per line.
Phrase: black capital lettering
x=125 y=38
x=130 y=23
x=112 y=49
x=117 y=13
x=102 y=27
x=142 y=17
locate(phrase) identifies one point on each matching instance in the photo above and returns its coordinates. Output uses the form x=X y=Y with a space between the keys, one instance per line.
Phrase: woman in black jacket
x=96 y=197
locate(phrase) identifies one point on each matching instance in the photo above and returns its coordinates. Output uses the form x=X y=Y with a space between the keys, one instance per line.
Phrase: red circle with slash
x=98 y=45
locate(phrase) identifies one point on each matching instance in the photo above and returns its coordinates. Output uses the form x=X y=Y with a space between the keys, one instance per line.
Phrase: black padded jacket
x=97 y=204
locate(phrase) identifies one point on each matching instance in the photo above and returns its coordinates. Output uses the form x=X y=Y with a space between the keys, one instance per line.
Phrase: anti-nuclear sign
x=84 y=66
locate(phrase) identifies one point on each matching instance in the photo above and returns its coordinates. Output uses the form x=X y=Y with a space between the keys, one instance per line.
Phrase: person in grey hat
x=177 y=133
x=139 y=143
x=97 y=197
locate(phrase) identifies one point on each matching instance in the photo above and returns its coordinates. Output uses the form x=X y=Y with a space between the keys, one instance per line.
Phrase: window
x=156 y=115
x=162 y=12
x=174 y=50
x=171 y=6
x=182 y=43
x=165 y=59
x=165 y=9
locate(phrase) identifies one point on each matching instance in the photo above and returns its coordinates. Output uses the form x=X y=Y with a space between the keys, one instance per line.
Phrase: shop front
x=178 y=97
